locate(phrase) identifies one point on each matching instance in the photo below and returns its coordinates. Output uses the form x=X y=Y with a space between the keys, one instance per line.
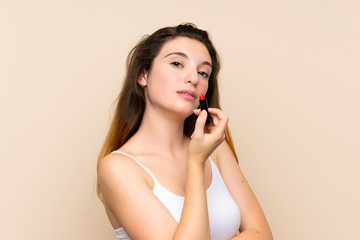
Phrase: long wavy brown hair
x=131 y=100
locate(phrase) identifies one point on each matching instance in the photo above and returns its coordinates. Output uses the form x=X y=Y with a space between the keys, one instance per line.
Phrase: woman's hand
x=194 y=221
x=206 y=138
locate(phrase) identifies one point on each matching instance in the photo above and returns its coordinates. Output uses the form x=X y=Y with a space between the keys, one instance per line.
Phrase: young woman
x=162 y=172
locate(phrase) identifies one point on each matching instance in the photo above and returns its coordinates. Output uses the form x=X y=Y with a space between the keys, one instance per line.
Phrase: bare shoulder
x=224 y=157
x=118 y=176
x=130 y=199
x=117 y=167
x=117 y=171
x=114 y=162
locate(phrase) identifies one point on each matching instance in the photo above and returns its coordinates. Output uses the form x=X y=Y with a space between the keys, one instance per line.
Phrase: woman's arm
x=195 y=217
x=128 y=195
x=194 y=223
x=254 y=225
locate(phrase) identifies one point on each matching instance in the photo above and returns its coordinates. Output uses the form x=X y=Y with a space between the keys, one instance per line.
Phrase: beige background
x=289 y=83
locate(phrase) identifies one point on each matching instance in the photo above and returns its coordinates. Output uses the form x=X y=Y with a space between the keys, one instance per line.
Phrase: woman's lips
x=187 y=93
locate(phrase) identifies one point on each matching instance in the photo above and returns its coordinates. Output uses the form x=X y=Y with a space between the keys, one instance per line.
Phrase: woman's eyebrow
x=186 y=56
x=177 y=53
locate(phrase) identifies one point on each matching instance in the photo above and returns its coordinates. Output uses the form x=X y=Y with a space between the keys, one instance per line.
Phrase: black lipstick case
x=204 y=106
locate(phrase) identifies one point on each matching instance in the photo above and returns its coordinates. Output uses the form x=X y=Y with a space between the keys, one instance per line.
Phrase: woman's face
x=179 y=74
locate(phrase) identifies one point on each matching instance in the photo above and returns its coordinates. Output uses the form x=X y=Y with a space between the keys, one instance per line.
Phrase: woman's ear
x=142 y=78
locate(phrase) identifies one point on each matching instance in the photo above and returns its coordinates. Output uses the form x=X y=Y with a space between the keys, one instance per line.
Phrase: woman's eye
x=204 y=74
x=176 y=64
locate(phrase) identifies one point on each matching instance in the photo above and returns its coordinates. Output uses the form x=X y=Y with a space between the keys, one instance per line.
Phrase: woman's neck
x=161 y=132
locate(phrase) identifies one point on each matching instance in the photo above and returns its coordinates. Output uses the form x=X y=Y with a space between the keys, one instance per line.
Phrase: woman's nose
x=192 y=77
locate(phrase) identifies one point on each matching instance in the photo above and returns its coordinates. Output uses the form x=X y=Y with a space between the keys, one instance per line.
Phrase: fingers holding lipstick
x=218 y=116
x=220 y=120
x=200 y=125
x=216 y=113
x=206 y=138
x=207 y=126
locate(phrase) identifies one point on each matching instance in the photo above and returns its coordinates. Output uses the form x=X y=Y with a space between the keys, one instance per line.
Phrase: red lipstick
x=204 y=106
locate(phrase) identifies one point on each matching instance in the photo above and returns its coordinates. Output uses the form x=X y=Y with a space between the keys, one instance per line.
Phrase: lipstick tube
x=204 y=106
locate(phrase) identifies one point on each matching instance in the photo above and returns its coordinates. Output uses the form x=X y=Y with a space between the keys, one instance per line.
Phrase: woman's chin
x=184 y=114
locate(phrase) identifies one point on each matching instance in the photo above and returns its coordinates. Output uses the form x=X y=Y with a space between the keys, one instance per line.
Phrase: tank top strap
x=213 y=165
x=147 y=170
x=215 y=170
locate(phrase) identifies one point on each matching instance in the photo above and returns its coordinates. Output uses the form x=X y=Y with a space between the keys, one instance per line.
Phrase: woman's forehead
x=187 y=46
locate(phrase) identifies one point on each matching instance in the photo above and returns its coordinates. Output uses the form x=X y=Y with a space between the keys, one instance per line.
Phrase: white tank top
x=224 y=214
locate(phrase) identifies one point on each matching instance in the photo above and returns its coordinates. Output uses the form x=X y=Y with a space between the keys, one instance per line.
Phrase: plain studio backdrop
x=290 y=85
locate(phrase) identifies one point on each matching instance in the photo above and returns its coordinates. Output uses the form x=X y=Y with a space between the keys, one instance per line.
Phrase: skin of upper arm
x=252 y=216
x=127 y=194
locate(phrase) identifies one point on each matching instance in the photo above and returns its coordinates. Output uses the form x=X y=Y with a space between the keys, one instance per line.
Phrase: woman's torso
x=224 y=214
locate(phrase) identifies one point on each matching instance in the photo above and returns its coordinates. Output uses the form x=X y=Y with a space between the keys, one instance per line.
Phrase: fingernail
x=203 y=112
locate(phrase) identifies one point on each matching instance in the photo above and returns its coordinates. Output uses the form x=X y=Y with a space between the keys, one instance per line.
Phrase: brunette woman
x=162 y=172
